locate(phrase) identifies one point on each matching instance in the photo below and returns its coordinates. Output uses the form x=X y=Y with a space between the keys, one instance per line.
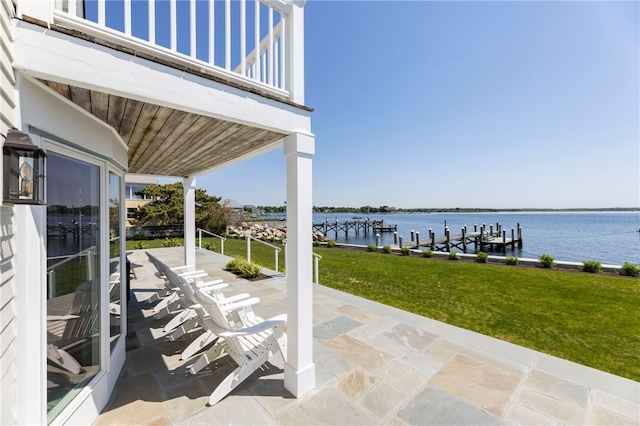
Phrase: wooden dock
x=77 y=231
x=356 y=225
x=482 y=238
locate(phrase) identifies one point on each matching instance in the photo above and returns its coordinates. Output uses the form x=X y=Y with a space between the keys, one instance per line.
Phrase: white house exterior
x=104 y=99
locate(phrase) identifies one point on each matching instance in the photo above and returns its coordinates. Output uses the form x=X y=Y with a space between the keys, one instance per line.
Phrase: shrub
x=591 y=266
x=405 y=251
x=316 y=243
x=246 y=269
x=372 y=247
x=630 y=269
x=331 y=243
x=427 y=253
x=482 y=257
x=209 y=245
x=140 y=245
x=454 y=256
x=547 y=261
x=233 y=264
x=139 y=236
x=512 y=260
x=249 y=270
x=170 y=242
x=386 y=249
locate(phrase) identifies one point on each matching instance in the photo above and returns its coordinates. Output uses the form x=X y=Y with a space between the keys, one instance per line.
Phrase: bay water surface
x=607 y=237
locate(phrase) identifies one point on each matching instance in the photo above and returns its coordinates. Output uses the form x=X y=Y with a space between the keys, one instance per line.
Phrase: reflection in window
x=73 y=278
x=131 y=212
x=116 y=275
x=134 y=192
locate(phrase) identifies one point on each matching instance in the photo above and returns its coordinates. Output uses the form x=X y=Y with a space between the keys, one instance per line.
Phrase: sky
x=501 y=104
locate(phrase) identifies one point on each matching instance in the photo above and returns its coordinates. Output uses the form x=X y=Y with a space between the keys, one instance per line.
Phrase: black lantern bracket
x=23 y=169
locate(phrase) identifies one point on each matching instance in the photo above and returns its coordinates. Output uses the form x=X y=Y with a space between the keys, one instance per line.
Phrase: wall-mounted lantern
x=23 y=169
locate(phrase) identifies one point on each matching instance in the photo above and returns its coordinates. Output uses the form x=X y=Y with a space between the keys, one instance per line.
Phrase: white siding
x=7 y=78
x=8 y=366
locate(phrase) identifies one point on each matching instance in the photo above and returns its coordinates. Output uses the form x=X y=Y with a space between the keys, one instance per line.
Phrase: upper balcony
x=256 y=45
x=220 y=81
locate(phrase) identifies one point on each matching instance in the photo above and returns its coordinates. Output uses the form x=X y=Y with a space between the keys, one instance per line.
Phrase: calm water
x=608 y=237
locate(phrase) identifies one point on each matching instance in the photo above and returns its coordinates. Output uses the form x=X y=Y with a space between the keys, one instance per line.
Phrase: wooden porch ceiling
x=168 y=142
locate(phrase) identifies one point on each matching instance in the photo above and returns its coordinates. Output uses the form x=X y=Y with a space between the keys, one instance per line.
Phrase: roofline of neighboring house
x=135 y=178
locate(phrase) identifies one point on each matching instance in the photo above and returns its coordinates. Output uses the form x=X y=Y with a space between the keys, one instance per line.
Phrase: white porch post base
x=299 y=382
x=299 y=370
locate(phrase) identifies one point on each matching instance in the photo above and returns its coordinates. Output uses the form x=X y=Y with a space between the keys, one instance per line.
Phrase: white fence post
x=248 y=249
x=317 y=279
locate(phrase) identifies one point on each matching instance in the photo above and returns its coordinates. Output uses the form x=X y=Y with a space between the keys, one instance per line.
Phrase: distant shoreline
x=392 y=210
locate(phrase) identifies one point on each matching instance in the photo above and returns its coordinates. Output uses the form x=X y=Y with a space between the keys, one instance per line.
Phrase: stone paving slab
x=374 y=365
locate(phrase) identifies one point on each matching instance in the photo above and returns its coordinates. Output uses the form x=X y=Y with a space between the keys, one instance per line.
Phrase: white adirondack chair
x=193 y=315
x=249 y=347
x=80 y=325
x=167 y=298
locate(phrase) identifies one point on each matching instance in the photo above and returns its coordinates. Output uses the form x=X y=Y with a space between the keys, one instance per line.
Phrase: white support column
x=294 y=45
x=299 y=370
x=31 y=304
x=189 y=184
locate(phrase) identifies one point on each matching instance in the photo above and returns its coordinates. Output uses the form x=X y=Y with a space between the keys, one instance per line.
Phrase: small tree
x=167 y=208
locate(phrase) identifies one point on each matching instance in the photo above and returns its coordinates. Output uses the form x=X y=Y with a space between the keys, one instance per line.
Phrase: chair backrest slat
x=86 y=306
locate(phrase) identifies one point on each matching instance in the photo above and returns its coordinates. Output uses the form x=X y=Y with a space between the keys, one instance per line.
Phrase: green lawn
x=591 y=319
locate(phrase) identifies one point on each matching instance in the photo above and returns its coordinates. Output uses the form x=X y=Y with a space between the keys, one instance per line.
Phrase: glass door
x=117 y=274
x=73 y=278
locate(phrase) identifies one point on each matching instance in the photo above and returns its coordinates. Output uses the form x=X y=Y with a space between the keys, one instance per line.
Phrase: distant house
x=231 y=204
x=133 y=198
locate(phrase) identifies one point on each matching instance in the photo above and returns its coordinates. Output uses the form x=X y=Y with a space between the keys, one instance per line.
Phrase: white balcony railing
x=243 y=40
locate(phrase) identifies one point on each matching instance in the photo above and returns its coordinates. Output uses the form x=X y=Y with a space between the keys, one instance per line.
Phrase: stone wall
x=268 y=231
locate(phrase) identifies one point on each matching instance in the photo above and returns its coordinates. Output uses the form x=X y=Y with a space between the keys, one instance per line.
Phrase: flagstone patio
x=374 y=365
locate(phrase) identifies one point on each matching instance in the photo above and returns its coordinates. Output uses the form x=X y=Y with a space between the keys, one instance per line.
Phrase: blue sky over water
x=464 y=104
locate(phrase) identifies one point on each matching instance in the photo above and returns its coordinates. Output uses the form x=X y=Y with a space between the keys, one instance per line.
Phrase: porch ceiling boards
x=165 y=141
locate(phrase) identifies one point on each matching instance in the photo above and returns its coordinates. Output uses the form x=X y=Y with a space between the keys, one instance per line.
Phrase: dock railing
x=222 y=239
x=254 y=42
